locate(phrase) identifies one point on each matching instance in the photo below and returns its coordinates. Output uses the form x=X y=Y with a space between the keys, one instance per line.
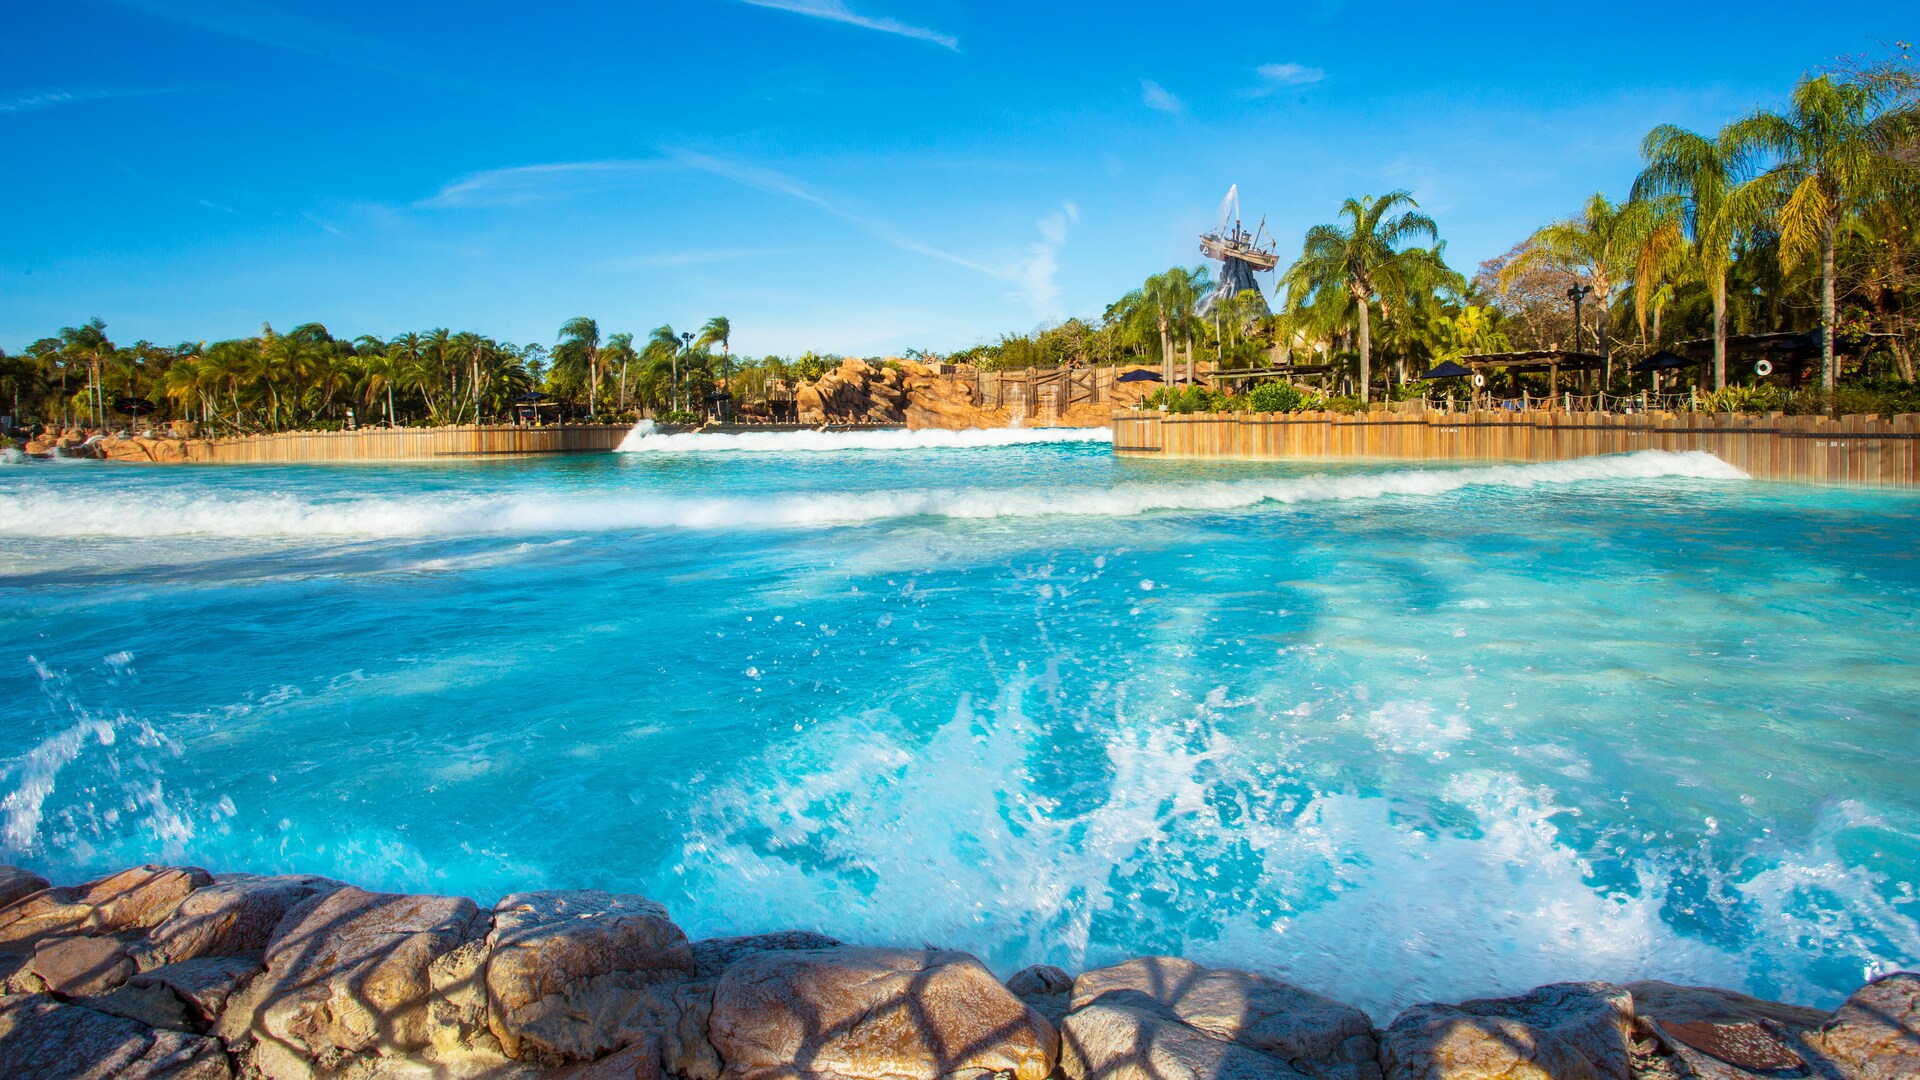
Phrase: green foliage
x=1275 y=397
x=1886 y=399
x=1196 y=399
x=1764 y=397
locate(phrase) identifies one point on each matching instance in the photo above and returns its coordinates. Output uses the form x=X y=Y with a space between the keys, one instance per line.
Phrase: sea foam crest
x=52 y=512
x=644 y=439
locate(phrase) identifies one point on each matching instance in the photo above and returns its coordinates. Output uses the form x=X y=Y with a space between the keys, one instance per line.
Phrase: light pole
x=1577 y=292
x=686 y=338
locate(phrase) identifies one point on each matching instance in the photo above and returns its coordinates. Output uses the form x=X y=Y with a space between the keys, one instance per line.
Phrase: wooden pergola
x=1285 y=370
x=1551 y=361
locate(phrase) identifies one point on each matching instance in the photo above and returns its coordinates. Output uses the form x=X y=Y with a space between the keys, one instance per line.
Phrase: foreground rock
x=1566 y=1031
x=1722 y=1035
x=45 y=1039
x=1875 y=1035
x=17 y=884
x=873 y=1014
x=347 y=974
x=572 y=975
x=233 y=916
x=1163 y=1018
x=136 y=899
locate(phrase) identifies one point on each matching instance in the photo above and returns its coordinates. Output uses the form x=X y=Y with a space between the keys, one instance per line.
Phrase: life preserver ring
x=1479 y=379
x=1763 y=369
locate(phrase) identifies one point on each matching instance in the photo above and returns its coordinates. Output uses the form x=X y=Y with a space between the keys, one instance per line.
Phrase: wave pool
x=1394 y=734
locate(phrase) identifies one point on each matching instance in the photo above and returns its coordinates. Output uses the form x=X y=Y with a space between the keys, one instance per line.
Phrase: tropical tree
x=663 y=352
x=1354 y=256
x=1831 y=152
x=1702 y=173
x=87 y=344
x=618 y=355
x=580 y=346
x=1601 y=247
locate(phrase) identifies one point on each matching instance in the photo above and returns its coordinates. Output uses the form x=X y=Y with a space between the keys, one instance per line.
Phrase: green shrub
x=1276 y=397
x=1765 y=397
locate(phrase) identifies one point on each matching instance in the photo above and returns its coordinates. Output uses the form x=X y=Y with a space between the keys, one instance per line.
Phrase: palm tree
x=1702 y=172
x=663 y=347
x=88 y=344
x=619 y=350
x=1601 y=247
x=580 y=338
x=1833 y=151
x=1355 y=256
x=719 y=331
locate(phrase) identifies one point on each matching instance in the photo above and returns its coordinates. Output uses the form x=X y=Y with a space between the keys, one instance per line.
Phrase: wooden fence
x=1861 y=450
x=408 y=444
x=1063 y=388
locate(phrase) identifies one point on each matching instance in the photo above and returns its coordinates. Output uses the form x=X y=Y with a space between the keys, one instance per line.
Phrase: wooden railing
x=408 y=444
x=1862 y=450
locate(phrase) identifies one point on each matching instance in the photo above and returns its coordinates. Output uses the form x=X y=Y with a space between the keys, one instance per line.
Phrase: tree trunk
x=1166 y=356
x=1606 y=349
x=1366 y=353
x=1189 y=359
x=1720 y=331
x=1828 y=316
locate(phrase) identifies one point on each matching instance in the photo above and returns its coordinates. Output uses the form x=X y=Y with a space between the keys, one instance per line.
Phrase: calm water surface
x=1393 y=734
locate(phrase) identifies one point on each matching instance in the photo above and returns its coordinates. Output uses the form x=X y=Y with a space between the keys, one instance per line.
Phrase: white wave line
x=58 y=513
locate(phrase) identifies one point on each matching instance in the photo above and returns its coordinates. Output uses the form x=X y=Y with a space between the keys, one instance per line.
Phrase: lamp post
x=686 y=339
x=1577 y=292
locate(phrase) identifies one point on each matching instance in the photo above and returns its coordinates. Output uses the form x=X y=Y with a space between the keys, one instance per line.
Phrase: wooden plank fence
x=408 y=444
x=1867 y=451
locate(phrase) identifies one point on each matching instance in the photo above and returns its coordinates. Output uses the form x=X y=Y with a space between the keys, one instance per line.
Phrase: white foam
x=70 y=512
x=644 y=440
x=869 y=832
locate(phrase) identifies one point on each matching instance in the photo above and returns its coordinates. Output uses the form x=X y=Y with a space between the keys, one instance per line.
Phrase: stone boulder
x=1046 y=989
x=233 y=916
x=571 y=975
x=44 y=1039
x=80 y=966
x=1720 y=1034
x=203 y=985
x=347 y=973
x=1273 y=1027
x=1875 y=1034
x=713 y=956
x=136 y=899
x=857 y=1013
x=1564 y=1031
x=17 y=884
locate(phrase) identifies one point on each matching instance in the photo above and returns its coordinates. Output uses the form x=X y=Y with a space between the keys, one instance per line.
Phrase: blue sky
x=854 y=176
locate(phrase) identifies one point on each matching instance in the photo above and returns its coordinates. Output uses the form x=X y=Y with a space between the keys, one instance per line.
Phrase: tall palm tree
x=719 y=331
x=663 y=345
x=1355 y=255
x=88 y=344
x=1702 y=172
x=619 y=353
x=580 y=336
x=1600 y=247
x=1831 y=152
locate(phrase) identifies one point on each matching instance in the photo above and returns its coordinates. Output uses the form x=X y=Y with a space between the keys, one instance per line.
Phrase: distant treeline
x=310 y=378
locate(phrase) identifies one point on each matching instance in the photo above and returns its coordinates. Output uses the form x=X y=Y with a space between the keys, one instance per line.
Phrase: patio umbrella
x=134 y=406
x=1663 y=361
x=1447 y=369
x=1140 y=375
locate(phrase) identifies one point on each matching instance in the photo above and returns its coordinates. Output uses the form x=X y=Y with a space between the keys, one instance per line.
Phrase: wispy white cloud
x=1035 y=273
x=1158 y=98
x=53 y=97
x=281 y=29
x=535 y=183
x=1032 y=274
x=781 y=184
x=838 y=11
x=1275 y=76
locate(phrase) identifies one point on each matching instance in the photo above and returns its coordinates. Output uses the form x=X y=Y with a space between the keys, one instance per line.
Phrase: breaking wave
x=55 y=513
x=644 y=440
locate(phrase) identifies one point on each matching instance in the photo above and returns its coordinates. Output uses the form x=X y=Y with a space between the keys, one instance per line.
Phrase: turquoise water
x=1394 y=734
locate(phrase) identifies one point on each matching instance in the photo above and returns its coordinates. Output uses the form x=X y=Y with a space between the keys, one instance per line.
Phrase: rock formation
x=171 y=973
